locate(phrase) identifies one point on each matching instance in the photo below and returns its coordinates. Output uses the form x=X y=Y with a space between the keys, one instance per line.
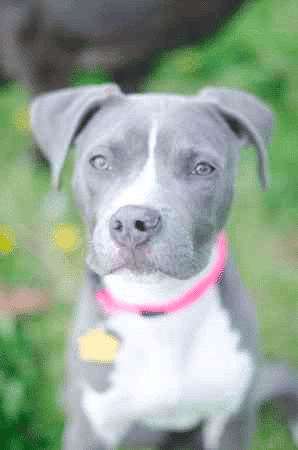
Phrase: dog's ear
x=58 y=117
x=248 y=117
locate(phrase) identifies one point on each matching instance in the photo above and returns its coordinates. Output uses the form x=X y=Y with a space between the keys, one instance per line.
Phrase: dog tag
x=97 y=346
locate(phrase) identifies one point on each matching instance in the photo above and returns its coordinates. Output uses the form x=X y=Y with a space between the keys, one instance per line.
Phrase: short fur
x=194 y=378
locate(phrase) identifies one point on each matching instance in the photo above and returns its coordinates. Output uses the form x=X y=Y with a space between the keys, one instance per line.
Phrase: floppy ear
x=58 y=117
x=249 y=118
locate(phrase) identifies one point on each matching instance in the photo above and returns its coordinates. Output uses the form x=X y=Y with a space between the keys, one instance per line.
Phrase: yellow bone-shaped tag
x=97 y=346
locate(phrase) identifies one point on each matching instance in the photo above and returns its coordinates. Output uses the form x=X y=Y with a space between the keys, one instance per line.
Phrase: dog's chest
x=172 y=371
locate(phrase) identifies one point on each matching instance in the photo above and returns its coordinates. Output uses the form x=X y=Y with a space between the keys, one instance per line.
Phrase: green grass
x=258 y=52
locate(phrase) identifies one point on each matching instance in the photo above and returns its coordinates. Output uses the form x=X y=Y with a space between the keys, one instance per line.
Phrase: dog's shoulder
x=92 y=349
x=236 y=299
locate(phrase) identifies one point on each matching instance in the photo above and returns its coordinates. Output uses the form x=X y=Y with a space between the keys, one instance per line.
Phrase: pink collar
x=179 y=302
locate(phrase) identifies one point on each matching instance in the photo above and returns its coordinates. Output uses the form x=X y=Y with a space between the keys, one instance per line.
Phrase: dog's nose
x=134 y=225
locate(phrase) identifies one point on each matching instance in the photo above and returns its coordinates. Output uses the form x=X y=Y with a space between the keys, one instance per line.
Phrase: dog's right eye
x=99 y=162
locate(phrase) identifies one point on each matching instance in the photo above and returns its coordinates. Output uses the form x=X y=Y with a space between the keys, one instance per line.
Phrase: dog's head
x=155 y=173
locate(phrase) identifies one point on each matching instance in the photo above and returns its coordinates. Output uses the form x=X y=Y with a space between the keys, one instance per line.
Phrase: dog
x=164 y=349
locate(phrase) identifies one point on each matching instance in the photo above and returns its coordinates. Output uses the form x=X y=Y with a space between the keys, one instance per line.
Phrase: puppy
x=164 y=349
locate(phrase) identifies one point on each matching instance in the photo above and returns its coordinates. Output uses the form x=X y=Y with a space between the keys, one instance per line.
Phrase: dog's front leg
x=78 y=435
x=110 y=414
x=235 y=434
x=92 y=421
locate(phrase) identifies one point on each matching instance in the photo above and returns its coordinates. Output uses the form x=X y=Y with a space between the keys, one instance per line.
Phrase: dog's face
x=154 y=177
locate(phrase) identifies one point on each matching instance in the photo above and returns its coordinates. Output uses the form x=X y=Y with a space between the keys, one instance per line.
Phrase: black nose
x=134 y=225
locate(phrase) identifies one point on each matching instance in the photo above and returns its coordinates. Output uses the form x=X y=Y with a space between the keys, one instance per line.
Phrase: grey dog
x=154 y=178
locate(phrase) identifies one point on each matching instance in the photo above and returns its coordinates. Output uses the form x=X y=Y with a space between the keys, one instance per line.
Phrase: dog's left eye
x=99 y=162
x=203 y=168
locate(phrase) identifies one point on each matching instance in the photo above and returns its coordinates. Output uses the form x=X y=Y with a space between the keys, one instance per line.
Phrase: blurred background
x=49 y=44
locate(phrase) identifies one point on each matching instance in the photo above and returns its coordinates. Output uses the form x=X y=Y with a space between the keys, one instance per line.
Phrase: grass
x=258 y=52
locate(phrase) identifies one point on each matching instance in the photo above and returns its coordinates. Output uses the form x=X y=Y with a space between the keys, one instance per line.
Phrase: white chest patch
x=172 y=371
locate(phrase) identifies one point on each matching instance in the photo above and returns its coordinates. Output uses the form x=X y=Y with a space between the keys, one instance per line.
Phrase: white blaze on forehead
x=152 y=142
x=143 y=191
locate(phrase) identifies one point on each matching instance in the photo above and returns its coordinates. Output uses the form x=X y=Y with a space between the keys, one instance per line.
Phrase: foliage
x=19 y=423
x=257 y=51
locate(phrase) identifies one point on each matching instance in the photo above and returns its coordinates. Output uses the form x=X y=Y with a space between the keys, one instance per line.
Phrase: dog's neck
x=160 y=292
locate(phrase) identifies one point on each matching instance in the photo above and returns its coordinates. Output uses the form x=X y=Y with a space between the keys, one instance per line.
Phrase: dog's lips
x=135 y=260
x=138 y=261
x=175 y=259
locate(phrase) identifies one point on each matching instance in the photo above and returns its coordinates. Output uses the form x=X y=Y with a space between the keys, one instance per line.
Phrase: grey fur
x=69 y=107
x=216 y=123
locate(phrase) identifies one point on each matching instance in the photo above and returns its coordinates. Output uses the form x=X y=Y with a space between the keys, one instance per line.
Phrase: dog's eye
x=99 y=162
x=203 y=168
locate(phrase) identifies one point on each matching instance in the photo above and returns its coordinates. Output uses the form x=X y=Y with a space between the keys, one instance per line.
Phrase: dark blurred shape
x=43 y=41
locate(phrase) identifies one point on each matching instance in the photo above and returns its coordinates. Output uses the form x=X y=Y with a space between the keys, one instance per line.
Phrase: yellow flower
x=7 y=239
x=22 y=119
x=67 y=237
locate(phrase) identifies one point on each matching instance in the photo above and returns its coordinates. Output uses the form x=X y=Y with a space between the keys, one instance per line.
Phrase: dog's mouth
x=172 y=257
x=136 y=260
